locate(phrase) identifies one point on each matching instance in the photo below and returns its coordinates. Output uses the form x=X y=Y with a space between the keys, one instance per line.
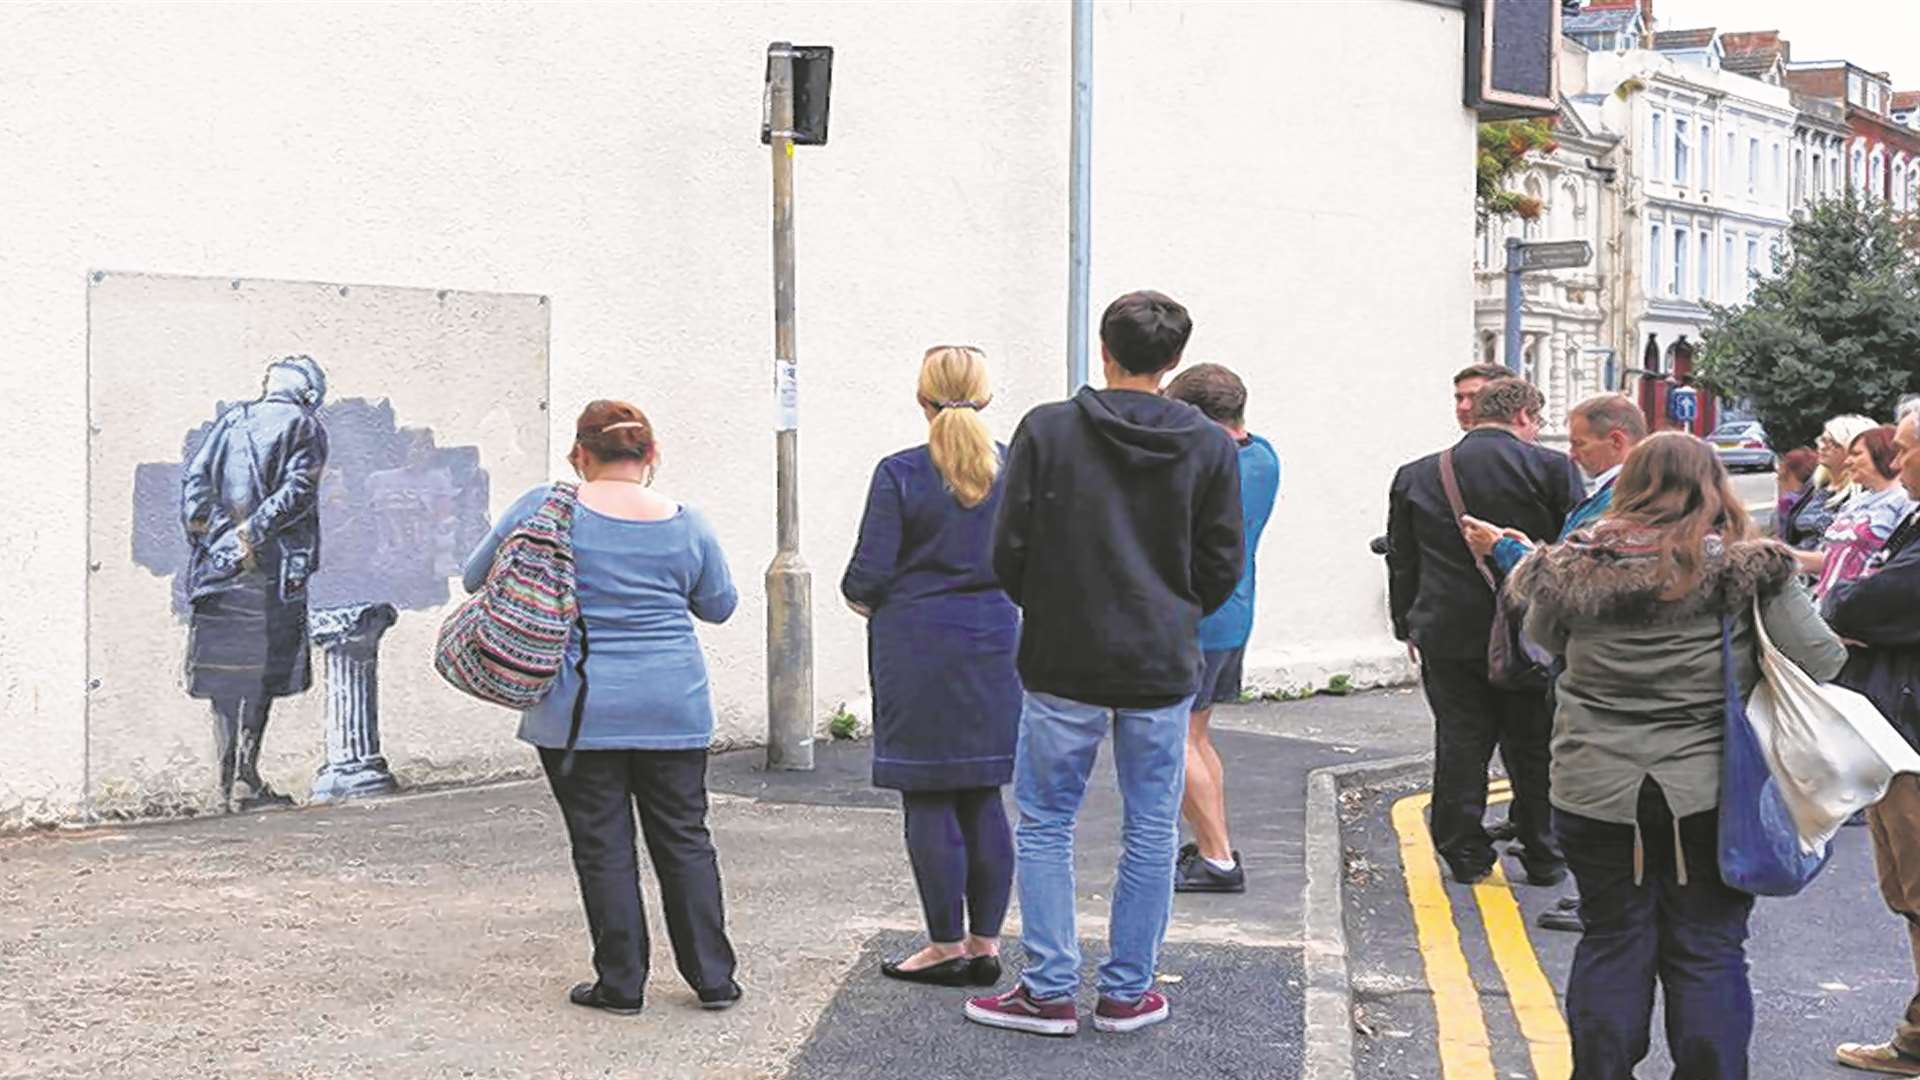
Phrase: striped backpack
x=505 y=643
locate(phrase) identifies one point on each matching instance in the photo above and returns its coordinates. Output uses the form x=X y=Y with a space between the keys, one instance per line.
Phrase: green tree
x=1505 y=147
x=1835 y=329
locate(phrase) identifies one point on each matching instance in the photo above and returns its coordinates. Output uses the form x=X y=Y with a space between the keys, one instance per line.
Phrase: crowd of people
x=1639 y=582
x=1093 y=576
x=1587 y=614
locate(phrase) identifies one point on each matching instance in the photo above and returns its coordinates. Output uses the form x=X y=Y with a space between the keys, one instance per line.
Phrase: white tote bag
x=1830 y=751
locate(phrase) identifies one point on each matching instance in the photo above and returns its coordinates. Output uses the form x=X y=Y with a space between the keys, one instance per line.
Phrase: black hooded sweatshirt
x=1119 y=527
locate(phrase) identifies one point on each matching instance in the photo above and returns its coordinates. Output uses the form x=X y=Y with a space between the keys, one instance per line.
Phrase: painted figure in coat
x=249 y=502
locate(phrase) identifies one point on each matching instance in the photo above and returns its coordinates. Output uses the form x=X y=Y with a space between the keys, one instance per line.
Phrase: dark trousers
x=961 y=849
x=239 y=725
x=598 y=800
x=1471 y=717
x=1691 y=938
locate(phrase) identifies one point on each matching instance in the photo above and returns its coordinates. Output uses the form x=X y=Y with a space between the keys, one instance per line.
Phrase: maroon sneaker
x=1116 y=1015
x=1018 y=1010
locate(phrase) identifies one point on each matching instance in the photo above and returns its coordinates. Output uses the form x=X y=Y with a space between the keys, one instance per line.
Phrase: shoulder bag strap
x=579 y=702
x=1452 y=485
x=560 y=504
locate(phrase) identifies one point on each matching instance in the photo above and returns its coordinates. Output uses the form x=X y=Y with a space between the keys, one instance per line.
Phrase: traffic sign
x=1554 y=255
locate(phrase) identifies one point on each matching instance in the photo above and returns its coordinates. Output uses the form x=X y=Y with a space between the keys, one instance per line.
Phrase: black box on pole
x=812 y=86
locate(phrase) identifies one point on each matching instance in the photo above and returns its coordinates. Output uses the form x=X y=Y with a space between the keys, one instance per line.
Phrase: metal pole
x=1080 y=197
x=1513 y=305
x=789 y=582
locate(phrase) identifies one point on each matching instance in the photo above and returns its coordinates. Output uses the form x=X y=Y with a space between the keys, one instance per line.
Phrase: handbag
x=1828 y=748
x=1513 y=663
x=506 y=642
x=1760 y=849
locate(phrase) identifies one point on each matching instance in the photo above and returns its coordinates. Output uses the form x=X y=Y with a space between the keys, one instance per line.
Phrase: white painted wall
x=1311 y=205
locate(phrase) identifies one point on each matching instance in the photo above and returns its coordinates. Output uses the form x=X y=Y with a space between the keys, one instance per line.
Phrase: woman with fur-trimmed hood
x=1634 y=606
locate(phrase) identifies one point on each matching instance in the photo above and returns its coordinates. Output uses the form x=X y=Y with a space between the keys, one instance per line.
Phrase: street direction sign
x=1554 y=255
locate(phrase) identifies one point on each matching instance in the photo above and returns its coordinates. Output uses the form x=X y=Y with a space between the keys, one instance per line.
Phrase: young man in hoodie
x=1119 y=527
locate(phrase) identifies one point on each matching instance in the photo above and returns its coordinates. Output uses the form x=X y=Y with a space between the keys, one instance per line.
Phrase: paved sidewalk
x=434 y=936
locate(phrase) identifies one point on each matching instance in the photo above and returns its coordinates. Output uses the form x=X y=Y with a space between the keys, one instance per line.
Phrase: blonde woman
x=941 y=637
x=1835 y=479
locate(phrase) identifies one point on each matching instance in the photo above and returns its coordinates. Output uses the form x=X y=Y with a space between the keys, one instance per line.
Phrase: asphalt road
x=1828 y=966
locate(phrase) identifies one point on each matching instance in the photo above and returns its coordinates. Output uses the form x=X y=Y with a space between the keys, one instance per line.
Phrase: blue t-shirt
x=1232 y=625
x=641 y=584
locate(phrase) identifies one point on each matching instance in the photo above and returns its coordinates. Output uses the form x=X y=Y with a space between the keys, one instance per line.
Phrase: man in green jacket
x=1601 y=432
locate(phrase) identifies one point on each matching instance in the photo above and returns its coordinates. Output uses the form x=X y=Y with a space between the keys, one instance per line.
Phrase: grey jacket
x=260 y=466
x=1643 y=693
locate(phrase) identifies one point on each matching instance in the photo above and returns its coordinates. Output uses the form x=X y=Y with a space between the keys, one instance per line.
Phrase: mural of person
x=249 y=500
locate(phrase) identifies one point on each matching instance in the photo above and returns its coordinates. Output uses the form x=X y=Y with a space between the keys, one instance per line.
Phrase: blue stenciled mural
x=287 y=512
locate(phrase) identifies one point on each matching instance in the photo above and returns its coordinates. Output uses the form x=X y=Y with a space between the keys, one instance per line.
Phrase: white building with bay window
x=1704 y=194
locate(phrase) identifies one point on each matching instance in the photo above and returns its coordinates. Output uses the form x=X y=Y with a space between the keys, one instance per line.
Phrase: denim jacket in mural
x=259 y=467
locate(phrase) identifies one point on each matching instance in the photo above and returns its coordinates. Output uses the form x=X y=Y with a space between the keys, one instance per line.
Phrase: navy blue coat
x=942 y=635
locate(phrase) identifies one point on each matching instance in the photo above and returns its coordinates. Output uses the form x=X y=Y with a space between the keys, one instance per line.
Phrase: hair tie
x=623 y=424
x=961 y=404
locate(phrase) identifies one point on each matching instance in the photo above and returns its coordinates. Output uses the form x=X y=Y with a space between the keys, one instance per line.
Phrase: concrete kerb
x=1329 y=990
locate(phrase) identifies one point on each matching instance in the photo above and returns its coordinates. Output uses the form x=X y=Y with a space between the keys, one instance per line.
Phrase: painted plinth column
x=349 y=638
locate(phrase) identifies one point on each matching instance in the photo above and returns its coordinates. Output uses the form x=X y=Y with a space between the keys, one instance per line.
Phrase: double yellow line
x=1466 y=1052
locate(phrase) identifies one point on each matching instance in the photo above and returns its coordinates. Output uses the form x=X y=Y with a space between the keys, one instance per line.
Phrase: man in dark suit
x=1443 y=608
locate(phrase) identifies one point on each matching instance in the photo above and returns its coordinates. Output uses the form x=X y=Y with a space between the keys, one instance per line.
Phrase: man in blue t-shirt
x=1209 y=863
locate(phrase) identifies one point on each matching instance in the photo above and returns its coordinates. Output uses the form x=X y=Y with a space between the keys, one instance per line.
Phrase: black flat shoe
x=957 y=971
x=725 y=997
x=591 y=996
x=984 y=971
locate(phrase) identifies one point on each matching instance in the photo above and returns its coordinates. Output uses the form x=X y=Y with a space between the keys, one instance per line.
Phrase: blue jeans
x=1059 y=741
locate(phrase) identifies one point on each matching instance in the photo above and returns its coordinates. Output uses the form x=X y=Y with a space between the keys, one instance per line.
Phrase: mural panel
x=285 y=479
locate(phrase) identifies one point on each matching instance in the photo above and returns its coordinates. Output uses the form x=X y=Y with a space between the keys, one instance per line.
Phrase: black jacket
x=1878 y=611
x=1439 y=601
x=1119 y=527
x=260 y=466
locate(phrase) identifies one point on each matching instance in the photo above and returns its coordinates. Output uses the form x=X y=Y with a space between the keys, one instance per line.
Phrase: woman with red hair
x=1862 y=526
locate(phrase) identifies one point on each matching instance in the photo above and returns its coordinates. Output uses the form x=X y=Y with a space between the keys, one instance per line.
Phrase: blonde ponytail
x=953 y=383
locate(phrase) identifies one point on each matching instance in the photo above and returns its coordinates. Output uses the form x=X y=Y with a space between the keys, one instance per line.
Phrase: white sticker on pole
x=786 y=396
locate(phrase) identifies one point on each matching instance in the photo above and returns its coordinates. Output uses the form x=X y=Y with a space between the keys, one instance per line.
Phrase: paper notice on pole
x=786 y=396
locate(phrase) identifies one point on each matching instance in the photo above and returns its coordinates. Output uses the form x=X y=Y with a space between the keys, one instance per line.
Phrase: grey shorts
x=1220 y=675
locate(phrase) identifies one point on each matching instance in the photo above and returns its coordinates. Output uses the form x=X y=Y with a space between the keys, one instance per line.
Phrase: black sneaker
x=1188 y=853
x=1200 y=876
x=1503 y=830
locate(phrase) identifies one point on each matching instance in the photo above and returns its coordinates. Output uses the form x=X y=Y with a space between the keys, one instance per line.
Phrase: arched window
x=1489 y=348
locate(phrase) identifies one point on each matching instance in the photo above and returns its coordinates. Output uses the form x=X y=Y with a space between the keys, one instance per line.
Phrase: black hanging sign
x=1513 y=58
